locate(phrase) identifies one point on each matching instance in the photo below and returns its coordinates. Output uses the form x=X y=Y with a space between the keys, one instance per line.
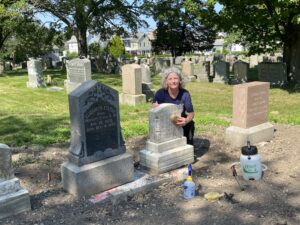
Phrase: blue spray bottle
x=189 y=186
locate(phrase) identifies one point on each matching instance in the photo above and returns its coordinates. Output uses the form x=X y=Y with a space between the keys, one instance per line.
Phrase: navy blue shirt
x=183 y=98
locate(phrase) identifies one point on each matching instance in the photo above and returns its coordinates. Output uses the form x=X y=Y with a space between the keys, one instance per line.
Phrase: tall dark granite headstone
x=97 y=158
x=95 y=123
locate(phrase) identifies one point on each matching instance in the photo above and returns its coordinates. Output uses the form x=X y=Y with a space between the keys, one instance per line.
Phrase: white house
x=138 y=44
x=53 y=55
x=236 y=48
x=72 y=45
x=218 y=45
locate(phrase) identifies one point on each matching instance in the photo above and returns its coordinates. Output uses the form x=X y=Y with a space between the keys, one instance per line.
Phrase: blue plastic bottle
x=189 y=186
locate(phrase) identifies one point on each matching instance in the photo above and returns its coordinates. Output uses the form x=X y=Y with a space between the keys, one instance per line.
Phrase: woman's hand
x=181 y=121
x=155 y=104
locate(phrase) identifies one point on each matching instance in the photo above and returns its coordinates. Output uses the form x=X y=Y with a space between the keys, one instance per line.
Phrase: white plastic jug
x=250 y=163
x=189 y=188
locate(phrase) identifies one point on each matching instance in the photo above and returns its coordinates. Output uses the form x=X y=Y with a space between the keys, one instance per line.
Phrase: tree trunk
x=82 y=42
x=291 y=54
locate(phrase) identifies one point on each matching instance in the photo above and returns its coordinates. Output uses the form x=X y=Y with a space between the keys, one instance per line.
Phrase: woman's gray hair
x=166 y=74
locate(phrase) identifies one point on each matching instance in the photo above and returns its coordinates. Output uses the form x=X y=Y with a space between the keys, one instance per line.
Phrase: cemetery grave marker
x=250 y=114
x=166 y=148
x=97 y=158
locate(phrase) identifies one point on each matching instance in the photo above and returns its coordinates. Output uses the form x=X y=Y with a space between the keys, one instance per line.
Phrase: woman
x=173 y=92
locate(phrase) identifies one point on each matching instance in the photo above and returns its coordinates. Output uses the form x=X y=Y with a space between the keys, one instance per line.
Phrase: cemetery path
x=275 y=200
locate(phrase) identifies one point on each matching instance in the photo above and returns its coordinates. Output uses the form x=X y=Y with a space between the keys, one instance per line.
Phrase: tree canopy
x=98 y=16
x=32 y=40
x=180 y=30
x=264 y=26
x=10 y=18
x=116 y=47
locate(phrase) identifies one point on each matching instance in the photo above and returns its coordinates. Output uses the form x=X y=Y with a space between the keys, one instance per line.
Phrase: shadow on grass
x=18 y=130
x=290 y=87
x=15 y=73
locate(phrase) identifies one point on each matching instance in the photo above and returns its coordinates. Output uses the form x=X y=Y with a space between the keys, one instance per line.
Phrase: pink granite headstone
x=250 y=104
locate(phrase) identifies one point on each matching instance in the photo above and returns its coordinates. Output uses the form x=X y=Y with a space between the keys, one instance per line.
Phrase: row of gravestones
x=107 y=64
x=79 y=70
x=273 y=72
x=205 y=68
x=136 y=79
x=97 y=157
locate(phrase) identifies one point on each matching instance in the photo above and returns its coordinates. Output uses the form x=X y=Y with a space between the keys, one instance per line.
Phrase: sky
x=46 y=17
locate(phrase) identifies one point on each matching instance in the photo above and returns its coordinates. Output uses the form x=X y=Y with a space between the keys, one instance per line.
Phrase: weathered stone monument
x=8 y=66
x=201 y=71
x=161 y=64
x=35 y=74
x=166 y=148
x=187 y=68
x=171 y=61
x=13 y=198
x=78 y=71
x=221 y=71
x=254 y=60
x=146 y=82
x=1 y=67
x=240 y=71
x=250 y=114
x=273 y=72
x=132 y=85
x=97 y=158
x=178 y=60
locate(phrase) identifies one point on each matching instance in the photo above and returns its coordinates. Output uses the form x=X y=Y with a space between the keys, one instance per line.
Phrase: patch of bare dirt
x=275 y=200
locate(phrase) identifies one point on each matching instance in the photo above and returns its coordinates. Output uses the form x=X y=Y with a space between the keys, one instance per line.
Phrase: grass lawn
x=39 y=116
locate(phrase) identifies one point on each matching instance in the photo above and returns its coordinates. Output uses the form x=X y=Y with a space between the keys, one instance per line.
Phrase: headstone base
x=98 y=176
x=13 y=198
x=238 y=81
x=127 y=99
x=219 y=79
x=160 y=162
x=238 y=137
x=191 y=78
x=202 y=77
x=70 y=86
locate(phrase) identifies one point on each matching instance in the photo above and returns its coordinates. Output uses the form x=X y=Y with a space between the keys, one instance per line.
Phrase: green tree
x=180 y=30
x=116 y=47
x=10 y=18
x=95 y=49
x=98 y=16
x=31 y=40
x=265 y=26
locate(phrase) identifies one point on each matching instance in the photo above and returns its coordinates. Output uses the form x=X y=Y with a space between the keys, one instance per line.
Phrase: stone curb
x=142 y=181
